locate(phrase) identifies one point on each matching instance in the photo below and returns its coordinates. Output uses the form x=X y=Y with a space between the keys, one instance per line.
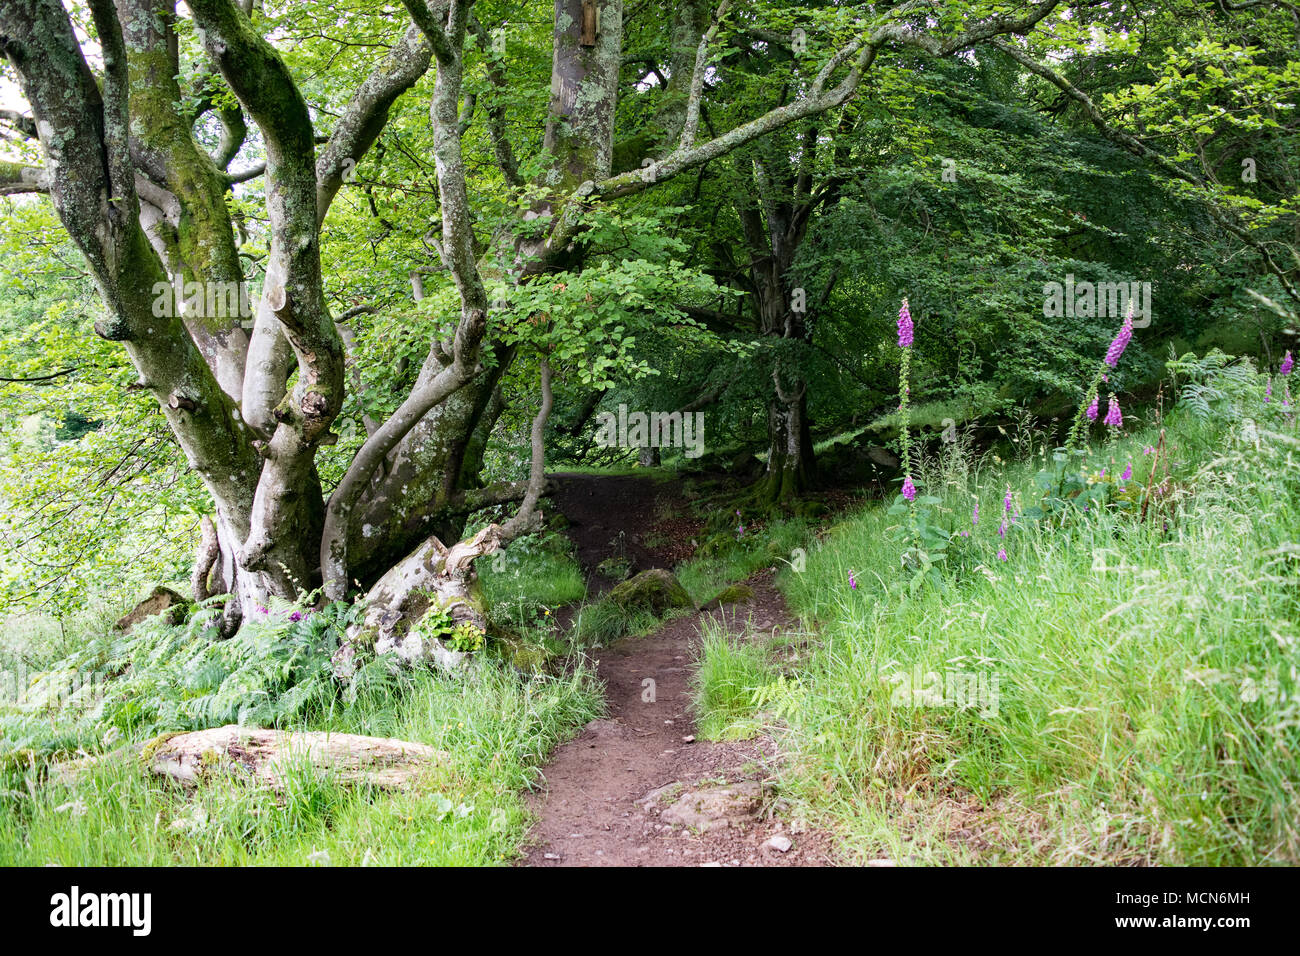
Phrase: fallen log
x=267 y=756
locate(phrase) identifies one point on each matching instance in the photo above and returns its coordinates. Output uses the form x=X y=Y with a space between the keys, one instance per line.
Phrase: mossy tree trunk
x=145 y=204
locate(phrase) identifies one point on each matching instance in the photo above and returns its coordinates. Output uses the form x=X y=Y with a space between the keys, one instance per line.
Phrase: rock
x=265 y=756
x=884 y=457
x=533 y=659
x=161 y=601
x=812 y=509
x=712 y=808
x=745 y=465
x=615 y=569
x=735 y=594
x=655 y=589
x=778 y=844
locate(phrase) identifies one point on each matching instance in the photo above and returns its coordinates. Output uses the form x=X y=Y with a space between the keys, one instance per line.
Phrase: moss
x=150 y=749
x=656 y=590
x=615 y=569
x=734 y=594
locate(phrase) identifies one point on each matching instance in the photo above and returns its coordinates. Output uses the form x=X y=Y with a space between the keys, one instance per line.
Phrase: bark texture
x=270 y=757
x=145 y=204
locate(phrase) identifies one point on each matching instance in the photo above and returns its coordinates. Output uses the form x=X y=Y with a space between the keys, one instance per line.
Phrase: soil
x=636 y=788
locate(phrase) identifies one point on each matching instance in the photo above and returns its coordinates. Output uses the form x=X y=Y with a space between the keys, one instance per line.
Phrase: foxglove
x=1121 y=340
x=1113 y=416
x=905 y=329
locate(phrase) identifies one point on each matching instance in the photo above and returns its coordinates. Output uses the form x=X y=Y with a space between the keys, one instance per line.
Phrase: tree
x=148 y=208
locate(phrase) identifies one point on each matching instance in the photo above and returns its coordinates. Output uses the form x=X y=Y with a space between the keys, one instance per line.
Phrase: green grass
x=737 y=556
x=496 y=724
x=533 y=573
x=666 y=471
x=729 y=671
x=496 y=727
x=601 y=623
x=1147 y=705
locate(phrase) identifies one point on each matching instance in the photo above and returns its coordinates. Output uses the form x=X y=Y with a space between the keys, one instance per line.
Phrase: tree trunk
x=146 y=206
x=270 y=757
x=790 y=463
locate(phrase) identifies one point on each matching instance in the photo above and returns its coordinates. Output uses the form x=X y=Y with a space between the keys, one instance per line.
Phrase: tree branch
x=692 y=124
x=367 y=113
x=1138 y=148
x=425 y=16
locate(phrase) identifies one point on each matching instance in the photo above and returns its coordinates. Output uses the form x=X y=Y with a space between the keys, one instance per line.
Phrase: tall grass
x=1147 y=697
x=495 y=724
x=496 y=727
x=761 y=546
x=729 y=671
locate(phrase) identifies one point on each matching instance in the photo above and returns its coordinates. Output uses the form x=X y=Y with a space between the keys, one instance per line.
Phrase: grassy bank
x=495 y=724
x=1117 y=690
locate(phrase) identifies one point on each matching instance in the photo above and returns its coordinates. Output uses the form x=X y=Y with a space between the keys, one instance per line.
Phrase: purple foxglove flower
x=909 y=489
x=1149 y=450
x=975 y=515
x=1114 y=418
x=1287 y=364
x=1092 y=409
x=1121 y=340
x=853 y=583
x=905 y=329
x=1268 y=391
x=1002 y=554
x=1006 y=501
x=1128 y=473
x=1002 y=530
x=295 y=616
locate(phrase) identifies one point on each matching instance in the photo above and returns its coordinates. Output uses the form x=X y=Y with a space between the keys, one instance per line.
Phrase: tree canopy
x=324 y=289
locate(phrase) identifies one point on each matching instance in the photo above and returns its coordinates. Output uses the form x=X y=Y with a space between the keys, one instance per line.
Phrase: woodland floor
x=635 y=788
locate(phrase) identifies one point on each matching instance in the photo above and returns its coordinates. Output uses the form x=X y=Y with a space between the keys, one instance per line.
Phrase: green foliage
x=495 y=729
x=525 y=583
x=1146 y=668
x=729 y=674
x=465 y=638
x=925 y=538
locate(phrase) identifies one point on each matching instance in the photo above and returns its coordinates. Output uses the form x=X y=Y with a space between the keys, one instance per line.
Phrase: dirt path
x=635 y=788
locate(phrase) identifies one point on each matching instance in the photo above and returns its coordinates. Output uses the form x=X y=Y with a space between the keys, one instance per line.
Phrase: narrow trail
x=635 y=788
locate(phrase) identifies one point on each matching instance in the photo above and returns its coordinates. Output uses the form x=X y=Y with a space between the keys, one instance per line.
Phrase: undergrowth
x=1104 y=684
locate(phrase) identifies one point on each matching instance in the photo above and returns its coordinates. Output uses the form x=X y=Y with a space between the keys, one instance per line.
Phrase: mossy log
x=268 y=757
